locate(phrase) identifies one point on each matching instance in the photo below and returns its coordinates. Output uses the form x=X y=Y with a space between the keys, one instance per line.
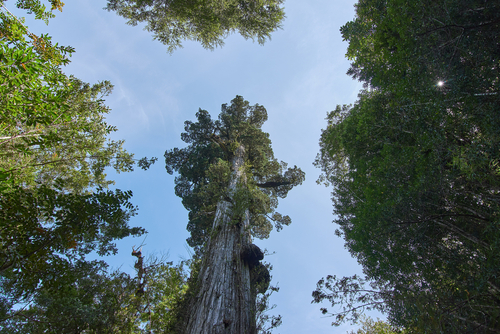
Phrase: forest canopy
x=414 y=165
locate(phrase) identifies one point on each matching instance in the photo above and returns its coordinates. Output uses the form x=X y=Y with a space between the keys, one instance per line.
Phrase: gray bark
x=224 y=302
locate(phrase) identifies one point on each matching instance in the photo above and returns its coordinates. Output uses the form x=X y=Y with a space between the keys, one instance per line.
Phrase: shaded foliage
x=84 y=297
x=160 y=288
x=414 y=163
x=43 y=232
x=80 y=297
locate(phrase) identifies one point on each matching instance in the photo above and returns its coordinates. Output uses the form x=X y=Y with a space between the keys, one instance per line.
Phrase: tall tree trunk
x=224 y=302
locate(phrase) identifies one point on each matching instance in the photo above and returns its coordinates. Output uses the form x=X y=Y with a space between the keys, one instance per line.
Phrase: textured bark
x=224 y=302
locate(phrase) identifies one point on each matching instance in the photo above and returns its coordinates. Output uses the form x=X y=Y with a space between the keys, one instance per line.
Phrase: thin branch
x=458 y=26
x=477 y=323
x=272 y=184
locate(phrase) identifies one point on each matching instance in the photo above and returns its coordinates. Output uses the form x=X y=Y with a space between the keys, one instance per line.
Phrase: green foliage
x=204 y=170
x=369 y=326
x=165 y=287
x=42 y=229
x=83 y=296
x=207 y=22
x=414 y=164
x=219 y=174
x=145 y=163
x=53 y=128
x=184 y=290
x=14 y=31
x=80 y=297
x=54 y=209
x=39 y=9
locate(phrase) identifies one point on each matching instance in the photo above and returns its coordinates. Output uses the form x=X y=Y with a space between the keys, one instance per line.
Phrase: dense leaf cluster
x=53 y=128
x=54 y=208
x=84 y=296
x=80 y=296
x=204 y=169
x=207 y=22
x=41 y=224
x=414 y=163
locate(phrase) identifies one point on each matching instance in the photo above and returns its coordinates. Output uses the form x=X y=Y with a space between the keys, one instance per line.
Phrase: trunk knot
x=260 y=278
x=259 y=273
x=251 y=255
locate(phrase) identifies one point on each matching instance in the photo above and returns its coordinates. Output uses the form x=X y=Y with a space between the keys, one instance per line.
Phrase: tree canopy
x=80 y=296
x=54 y=205
x=85 y=296
x=207 y=22
x=414 y=162
x=56 y=209
x=370 y=326
x=53 y=126
x=204 y=169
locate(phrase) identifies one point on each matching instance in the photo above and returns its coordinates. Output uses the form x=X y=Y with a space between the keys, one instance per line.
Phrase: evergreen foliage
x=230 y=183
x=414 y=162
x=204 y=170
x=207 y=22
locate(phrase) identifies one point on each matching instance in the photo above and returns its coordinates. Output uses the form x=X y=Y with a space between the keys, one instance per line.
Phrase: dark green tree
x=45 y=233
x=207 y=22
x=230 y=182
x=80 y=297
x=85 y=297
x=414 y=163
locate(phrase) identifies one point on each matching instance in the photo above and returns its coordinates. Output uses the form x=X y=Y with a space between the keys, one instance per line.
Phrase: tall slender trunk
x=224 y=302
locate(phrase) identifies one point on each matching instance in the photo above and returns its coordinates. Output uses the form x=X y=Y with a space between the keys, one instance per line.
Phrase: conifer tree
x=230 y=182
x=207 y=22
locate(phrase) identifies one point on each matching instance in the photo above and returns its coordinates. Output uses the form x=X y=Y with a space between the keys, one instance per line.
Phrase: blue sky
x=298 y=76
